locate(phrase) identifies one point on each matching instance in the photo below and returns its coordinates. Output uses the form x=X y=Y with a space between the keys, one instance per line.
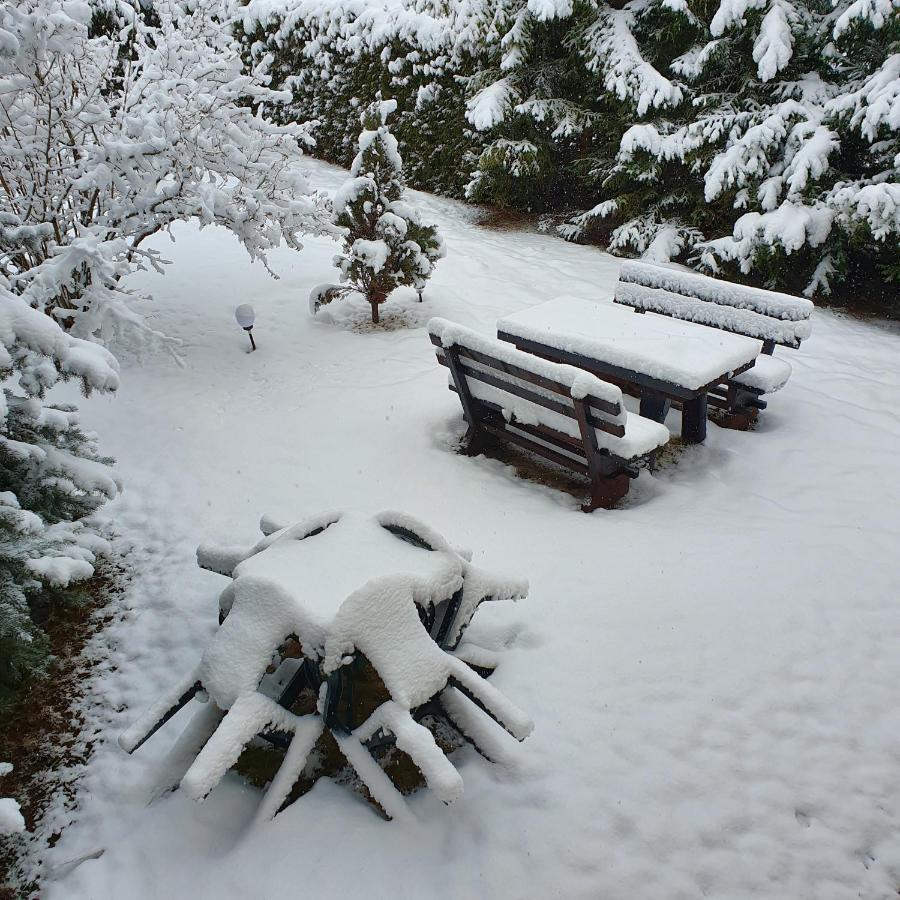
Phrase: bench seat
x=769 y=316
x=738 y=296
x=642 y=436
x=769 y=374
x=788 y=332
x=556 y=411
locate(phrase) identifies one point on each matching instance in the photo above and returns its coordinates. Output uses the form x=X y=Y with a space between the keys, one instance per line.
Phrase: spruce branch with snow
x=51 y=478
x=115 y=125
x=386 y=244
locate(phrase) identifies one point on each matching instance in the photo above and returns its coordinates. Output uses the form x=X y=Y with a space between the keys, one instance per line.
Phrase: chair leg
x=607 y=491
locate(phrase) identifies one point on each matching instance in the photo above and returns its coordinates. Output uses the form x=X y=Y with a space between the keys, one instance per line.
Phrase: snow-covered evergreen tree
x=386 y=244
x=785 y=145
x=51 y=477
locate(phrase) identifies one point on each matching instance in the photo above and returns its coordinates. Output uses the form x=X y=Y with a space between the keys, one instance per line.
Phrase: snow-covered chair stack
x=340 y=635
x=772 y=317
x=558 y=412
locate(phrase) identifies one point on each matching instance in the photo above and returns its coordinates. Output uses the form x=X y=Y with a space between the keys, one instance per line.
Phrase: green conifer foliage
x=386 y=244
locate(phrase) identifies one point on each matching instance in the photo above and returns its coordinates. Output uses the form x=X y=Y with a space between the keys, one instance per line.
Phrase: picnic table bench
x=768 y=316
x=663 y=361
x=557 y=412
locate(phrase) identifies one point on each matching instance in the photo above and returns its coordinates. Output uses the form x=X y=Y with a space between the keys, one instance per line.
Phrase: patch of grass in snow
x=41 y=729
x=501 y=218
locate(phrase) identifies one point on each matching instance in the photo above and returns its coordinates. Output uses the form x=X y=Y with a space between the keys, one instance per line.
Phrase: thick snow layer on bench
x=739 y=321
x=580 y=383
x=770 y=374
x=642 y=436
x=714 y=290
x=664 y=349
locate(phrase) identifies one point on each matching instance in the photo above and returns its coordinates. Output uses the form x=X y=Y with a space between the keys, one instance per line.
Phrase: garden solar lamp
x=245 y=317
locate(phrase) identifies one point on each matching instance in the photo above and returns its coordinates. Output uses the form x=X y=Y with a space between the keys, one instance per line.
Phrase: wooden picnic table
x=659 y=359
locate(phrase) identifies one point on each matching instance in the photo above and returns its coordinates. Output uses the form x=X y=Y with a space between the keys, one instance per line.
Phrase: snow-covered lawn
x=713 y=669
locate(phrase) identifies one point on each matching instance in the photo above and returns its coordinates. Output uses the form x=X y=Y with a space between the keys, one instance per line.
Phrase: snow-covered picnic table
x=658 y=358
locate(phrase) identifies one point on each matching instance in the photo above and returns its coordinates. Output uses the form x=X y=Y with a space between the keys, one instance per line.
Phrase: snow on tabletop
x=702 y=312
x=770 y=374
x=714 y=290
x=666 y=349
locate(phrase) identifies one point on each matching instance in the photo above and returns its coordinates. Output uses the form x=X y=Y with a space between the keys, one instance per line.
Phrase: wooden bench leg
x=743 y=408
x=693 y=420
x=477 y=442
x=606 y=492
x=654 y=406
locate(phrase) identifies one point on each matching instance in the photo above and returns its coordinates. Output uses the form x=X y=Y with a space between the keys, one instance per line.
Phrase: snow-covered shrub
x=386 y=244
x=51 y=477
x=117 y=123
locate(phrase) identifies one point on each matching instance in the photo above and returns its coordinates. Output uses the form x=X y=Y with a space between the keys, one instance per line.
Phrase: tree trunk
x=374 y=311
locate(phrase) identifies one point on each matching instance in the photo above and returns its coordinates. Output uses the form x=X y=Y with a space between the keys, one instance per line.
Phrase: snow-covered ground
x=712 y=669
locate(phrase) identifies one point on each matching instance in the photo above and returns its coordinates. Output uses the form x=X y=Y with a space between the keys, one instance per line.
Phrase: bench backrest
x=557 y=404
x=772 y=317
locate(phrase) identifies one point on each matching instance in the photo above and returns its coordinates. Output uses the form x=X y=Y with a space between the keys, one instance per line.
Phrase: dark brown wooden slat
x=462 y=388
x=560 y=459
x=545 y=402
x=604 y=406
x=546 y=433
x=612 y=428
x=572 y=444
x=793 y=344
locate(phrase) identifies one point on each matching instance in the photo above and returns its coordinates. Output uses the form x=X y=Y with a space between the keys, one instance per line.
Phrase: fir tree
x=51 y=479
x=386 y=245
